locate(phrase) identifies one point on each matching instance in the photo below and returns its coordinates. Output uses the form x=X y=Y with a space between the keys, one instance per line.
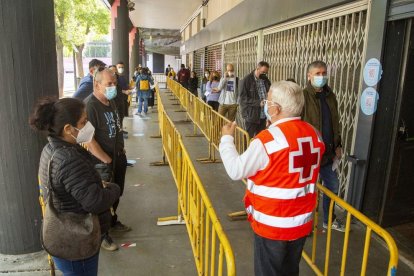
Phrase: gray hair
x=316 y=64
x=97 y=76
x=289 y=96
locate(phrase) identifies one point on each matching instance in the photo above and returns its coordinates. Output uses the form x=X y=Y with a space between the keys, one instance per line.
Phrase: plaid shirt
x=261 y=90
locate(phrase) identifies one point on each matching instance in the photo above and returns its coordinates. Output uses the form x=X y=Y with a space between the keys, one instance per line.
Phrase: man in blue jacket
x=143 y=90
x=86 y=85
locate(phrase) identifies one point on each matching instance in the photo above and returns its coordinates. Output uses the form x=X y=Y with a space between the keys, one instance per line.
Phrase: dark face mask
x=263 y=76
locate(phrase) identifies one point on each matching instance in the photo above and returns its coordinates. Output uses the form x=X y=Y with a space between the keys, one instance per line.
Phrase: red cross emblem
x=305 y=160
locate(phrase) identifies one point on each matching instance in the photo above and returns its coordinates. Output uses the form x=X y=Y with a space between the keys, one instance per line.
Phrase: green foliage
x=78 y=19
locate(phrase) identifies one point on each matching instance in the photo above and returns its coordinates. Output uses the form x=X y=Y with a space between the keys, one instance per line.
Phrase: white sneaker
x=336 y=225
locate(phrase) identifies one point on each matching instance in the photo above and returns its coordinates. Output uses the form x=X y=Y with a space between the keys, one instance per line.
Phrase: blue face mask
x=266 y=112
x=319 y=81
x=110 y=92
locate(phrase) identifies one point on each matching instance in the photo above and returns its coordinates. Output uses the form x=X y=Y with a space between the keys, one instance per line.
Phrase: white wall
x=149 y=62
x=172 y=62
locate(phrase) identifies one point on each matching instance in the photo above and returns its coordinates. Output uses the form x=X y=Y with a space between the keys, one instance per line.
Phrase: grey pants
x=275 y=257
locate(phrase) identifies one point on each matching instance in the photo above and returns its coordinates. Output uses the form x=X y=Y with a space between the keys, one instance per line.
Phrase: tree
x=75 y=21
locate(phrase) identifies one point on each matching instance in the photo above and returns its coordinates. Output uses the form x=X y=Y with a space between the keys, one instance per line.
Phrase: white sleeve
x=242 y=166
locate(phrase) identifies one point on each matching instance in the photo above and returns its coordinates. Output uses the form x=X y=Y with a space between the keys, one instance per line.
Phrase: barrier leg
x=195 y=134
x=160 y=163
x=211 y=156
x=240 y=215
x=187 y=120
x=173 y=220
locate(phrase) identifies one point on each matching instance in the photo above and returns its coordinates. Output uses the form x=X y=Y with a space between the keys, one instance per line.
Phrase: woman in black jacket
x=77 y=187
x=193 y=83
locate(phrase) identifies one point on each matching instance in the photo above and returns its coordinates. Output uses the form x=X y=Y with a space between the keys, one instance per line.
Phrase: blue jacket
x=85 y=88
x=143 y=77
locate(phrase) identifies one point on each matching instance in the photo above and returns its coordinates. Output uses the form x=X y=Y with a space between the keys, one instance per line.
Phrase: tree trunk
x=79 y=60
x=61 y=70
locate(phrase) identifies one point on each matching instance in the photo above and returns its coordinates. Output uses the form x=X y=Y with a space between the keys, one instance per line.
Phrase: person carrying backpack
x=143 y=90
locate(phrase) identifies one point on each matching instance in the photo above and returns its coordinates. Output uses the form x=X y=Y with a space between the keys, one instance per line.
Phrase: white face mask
x=85 y=134
x=206 y=75
x=120 y=70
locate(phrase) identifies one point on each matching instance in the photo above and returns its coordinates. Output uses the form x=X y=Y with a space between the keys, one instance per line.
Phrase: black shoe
x=130 y=164
x=119 y=227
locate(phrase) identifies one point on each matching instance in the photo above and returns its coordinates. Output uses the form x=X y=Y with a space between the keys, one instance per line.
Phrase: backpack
x=144 y=85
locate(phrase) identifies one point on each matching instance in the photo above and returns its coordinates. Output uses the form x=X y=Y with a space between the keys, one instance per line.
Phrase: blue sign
x=372 y=72
x=369 y=100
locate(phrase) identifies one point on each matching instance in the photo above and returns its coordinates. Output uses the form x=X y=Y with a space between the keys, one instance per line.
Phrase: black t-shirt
x=105 y=119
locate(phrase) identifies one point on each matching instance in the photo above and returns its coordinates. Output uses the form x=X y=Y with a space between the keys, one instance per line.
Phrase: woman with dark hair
x=213 y=94
x=193 y=83
x=76 y=186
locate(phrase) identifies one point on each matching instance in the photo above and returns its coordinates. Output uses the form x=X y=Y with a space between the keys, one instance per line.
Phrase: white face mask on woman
x=85 y=134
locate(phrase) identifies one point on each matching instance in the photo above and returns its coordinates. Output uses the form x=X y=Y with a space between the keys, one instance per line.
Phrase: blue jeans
x=86 y=267
x=331 y=182
x=145 y=101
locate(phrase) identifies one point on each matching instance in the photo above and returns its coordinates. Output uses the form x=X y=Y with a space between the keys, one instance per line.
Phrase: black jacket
x=192 y=85
x=249 y=98
x=76 y=184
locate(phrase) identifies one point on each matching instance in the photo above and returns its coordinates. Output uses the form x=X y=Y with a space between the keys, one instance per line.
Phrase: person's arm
x=95 y=149
x=151 y=80
x=221 y=85
x=76 y=178
x=242 y=166
x=85 y=88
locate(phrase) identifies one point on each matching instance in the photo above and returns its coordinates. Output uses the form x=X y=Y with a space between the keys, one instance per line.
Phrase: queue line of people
x=296 y=140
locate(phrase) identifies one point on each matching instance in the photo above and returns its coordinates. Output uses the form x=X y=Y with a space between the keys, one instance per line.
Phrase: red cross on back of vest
x=305 y=160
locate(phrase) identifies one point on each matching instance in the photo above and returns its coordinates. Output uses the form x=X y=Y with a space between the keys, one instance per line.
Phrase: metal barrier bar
x=371 y=227
x=210 y=123
x=208 y=241
x=43 y=206
x=207 y=120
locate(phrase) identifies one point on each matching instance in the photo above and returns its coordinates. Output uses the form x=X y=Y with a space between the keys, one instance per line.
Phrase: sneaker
x=108 y=244
x=336 y=225
x=119 y=227
x=130 y=164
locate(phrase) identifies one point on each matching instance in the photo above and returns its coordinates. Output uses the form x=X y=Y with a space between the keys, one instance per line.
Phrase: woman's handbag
x=68 y=235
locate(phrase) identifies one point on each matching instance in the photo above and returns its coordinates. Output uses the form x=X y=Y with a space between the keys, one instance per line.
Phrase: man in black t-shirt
x=108 y=143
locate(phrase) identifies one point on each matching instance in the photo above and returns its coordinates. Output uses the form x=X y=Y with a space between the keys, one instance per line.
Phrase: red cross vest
x=281 y=198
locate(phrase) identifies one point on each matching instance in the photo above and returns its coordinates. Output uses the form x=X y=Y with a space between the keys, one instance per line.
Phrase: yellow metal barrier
x=210 y=124
x=370 y=227
x=207 y=120
x=212 y=251
x=42 y=205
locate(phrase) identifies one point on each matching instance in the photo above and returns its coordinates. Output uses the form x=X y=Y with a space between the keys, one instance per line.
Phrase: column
x=120 y=34
x=28 y=70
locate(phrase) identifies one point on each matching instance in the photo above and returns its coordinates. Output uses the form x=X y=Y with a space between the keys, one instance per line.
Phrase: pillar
x=28 y=70
x=133 y=49
x=120 y=34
